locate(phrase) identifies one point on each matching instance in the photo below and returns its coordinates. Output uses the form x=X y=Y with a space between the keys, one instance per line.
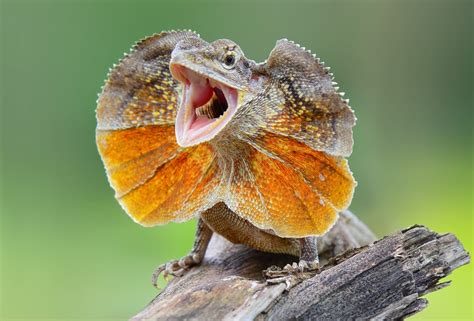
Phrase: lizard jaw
x=207 y=106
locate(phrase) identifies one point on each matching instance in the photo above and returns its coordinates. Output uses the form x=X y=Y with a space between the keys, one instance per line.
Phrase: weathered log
x=359 y=278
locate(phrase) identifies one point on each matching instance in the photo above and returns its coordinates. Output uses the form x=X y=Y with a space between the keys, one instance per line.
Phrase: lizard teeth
x=205 y=110
x=212 y=109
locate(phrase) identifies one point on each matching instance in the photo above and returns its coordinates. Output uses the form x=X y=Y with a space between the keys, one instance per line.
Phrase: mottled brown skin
x=273 y=178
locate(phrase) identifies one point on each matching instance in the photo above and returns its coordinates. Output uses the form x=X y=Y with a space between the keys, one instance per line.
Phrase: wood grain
x=360 y=278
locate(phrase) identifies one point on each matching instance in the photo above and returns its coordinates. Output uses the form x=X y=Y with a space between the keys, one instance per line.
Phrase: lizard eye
x=229 y=60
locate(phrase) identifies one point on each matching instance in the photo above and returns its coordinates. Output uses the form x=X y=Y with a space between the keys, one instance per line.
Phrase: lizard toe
x=175 y=268
x=291 y=274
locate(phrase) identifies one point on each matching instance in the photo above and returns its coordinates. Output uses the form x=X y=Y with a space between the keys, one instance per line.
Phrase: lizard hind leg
x=307 y=266
x=179 y=267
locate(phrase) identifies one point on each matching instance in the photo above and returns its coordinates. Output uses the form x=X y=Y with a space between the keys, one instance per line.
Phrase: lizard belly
x=237 y=230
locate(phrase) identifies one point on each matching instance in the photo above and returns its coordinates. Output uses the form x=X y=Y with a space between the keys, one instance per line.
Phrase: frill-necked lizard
x=255 y=151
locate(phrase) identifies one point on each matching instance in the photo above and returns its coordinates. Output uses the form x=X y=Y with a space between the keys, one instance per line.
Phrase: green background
x=67 y=248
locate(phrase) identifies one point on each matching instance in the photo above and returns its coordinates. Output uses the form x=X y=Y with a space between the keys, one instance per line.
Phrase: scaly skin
x=270 y=172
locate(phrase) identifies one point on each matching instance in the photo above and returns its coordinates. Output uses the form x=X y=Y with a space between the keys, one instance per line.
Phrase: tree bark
x=360 y=278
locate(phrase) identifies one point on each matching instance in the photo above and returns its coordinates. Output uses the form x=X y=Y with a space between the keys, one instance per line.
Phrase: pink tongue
x=200 y=92
x=200 y=121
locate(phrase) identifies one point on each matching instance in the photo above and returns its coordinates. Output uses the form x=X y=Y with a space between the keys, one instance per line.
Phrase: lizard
x=257 y=152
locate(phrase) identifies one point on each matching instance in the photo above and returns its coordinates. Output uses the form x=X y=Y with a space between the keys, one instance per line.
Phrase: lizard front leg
x=291 y=273
x=309 y=259
x=179 y=267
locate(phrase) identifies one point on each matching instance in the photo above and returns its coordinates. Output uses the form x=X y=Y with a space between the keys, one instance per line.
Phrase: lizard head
x=214 y=76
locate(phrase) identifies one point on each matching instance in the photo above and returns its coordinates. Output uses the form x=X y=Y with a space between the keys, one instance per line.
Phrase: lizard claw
x=291 y=274
x=175 y=268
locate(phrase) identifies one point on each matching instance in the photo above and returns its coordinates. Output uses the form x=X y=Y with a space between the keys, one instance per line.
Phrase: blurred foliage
x=68 y=250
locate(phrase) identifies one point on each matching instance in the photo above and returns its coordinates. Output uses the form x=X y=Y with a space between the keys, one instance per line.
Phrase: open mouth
x=207 y=105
